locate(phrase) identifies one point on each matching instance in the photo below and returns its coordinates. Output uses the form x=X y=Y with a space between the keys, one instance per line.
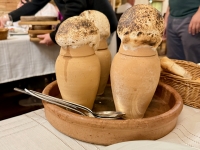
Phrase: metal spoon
x=73 y=106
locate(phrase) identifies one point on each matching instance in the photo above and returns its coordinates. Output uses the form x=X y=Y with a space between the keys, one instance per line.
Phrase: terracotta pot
x=105 y=61
x=78 y=75
x=134 y=77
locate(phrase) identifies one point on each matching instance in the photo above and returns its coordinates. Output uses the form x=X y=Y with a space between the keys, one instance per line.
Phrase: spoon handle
x=72 y=106
x=54 y=99
x=50 y=101
x=111 y=114
x=65 y=102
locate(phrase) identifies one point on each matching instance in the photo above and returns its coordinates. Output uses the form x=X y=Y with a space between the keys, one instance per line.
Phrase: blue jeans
x=180 y=44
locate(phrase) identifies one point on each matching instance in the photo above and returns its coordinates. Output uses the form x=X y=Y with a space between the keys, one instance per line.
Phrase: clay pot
x=134 y=77
x=78 y=75
x=105 y=61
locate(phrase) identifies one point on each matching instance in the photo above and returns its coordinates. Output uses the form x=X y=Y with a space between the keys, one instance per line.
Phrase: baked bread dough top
x=141 y=25
x=100 y=20
x=77 y=31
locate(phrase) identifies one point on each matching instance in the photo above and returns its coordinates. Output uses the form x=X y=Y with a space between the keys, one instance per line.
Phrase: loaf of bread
x=172 y=67
x=140 y=25
x=100 y=20
x=77 y=31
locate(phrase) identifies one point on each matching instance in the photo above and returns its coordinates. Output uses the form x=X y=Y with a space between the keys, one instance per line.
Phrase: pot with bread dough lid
x=102 y=52
x=135 y=70
x=77 y=67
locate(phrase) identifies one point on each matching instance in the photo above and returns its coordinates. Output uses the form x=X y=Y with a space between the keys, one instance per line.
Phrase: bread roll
x=100 y=21
x=140 y=25
x=77 y=31
x=170 y=66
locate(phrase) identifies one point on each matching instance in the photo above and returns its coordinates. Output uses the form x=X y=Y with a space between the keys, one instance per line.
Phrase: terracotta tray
x=159 y=120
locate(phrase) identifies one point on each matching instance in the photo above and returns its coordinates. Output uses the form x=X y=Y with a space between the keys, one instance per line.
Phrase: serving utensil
x=73 y=106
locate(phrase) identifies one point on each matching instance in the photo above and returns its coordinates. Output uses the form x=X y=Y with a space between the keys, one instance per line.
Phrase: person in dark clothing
x=182 y=21
x=68 y=8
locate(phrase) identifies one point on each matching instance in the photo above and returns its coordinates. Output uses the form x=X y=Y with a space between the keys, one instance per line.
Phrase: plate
x=17 y=31
x=147 y=145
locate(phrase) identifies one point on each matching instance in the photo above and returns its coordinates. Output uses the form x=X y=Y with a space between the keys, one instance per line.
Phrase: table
x=20 y=58
x=32 y=131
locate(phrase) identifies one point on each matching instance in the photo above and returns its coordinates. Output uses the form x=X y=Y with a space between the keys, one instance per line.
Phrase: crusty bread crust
x=172 y=67
x=77 y=31
x=141 y=25
x=100 y=20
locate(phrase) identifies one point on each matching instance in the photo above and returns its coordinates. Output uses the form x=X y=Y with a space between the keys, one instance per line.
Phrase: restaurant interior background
x=9 y=99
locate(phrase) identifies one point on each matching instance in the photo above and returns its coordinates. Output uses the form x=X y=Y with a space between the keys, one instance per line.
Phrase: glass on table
x=6 y=20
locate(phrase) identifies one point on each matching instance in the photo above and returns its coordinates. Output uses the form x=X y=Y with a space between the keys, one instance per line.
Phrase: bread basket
x=3 y=33
x=188 y=89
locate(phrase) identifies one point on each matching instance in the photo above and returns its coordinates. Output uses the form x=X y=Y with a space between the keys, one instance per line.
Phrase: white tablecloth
x=20 y=58
x=32 y=131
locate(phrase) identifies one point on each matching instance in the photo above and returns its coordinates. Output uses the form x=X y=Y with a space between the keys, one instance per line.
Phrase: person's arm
x=28 y=9
x=194 y=26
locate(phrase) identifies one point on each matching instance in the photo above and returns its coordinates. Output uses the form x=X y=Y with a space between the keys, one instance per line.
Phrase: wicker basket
x=188 y=89
x=3 y=34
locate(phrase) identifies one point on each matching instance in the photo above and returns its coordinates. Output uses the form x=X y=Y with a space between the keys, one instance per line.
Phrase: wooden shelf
x=39 y=31
x=39 y=22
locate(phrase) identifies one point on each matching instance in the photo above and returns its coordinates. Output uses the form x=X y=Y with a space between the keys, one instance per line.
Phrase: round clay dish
x=160 y=118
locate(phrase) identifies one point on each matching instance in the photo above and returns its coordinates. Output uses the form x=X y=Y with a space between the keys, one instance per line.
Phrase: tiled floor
x=9 y=99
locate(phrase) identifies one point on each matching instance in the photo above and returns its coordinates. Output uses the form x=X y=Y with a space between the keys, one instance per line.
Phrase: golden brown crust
x=197 y=80
x=141 y=25
x=77 y=31
x=100 y=20
x=172 y=67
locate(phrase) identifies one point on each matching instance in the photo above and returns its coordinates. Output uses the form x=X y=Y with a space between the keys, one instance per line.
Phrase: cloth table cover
x=32 y=131
x=20 y=58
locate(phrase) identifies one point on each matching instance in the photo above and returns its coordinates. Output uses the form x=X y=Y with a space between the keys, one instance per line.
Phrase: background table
x=32 y=131
x=20 y=58
x=26 y=64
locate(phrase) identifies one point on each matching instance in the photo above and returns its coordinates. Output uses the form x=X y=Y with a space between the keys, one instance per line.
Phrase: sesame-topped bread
x=141 y=25
x=77 y=31
x=100 y=20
